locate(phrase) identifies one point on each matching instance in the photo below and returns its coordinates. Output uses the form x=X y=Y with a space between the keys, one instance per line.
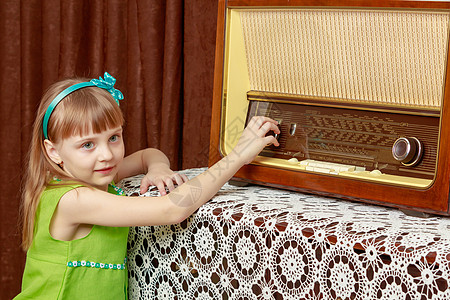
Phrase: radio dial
x=276 y=135
x=407 y=150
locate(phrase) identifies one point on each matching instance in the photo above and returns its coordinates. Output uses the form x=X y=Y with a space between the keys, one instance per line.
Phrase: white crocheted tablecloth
x=262 y=243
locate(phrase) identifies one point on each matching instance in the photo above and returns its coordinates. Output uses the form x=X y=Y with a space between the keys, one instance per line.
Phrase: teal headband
x=107 y=84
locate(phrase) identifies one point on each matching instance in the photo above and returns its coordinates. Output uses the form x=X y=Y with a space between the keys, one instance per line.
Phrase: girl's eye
x=88 y=145
x=114 y=138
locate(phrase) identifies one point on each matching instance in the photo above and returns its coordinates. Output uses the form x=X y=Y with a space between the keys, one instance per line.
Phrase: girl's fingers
x=169 y=183
x=178 y=179
x=184 y=177
x=258 y=121
x=263 y=123
x=268 y=126
x=161 y=187
x=271 y=140
x=145 y=184
x=163 y=183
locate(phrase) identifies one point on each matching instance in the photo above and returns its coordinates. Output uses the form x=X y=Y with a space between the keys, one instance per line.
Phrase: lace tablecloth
x=262 y=243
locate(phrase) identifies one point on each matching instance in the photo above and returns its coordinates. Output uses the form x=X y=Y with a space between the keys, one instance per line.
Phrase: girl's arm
x=91 y=206
x=155 y=165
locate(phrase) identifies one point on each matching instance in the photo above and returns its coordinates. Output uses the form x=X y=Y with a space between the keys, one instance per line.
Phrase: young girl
x=75 y=222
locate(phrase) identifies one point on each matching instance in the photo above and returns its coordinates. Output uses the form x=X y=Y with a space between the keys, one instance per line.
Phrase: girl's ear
x=52 y=152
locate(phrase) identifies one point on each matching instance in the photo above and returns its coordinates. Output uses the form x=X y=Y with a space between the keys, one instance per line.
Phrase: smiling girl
x=75 y=223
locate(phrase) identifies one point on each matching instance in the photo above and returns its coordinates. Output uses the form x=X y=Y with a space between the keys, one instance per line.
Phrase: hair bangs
x=88 y=110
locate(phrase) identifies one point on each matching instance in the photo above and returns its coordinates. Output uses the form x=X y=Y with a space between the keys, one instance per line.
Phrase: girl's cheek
x=121 y=153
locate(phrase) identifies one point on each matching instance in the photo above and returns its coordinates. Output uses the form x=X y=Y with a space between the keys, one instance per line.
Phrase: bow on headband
x=108 y=84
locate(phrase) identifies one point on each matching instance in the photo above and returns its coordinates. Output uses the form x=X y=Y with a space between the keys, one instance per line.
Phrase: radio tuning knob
x=407 y=150
x=277 y=135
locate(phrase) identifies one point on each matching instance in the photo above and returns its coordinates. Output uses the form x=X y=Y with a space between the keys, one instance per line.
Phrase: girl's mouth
x=105 y=170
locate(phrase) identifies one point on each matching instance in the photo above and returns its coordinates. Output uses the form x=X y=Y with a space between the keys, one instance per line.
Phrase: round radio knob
x=407 y=150
x=276 y=135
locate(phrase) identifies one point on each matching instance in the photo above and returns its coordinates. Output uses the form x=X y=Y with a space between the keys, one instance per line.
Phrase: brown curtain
x=160 y=52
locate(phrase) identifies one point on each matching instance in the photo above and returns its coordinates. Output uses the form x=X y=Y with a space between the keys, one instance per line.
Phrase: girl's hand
x=254 y=139
x=162 y=176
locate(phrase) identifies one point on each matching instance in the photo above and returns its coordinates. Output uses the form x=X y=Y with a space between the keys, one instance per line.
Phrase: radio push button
x=328 y=167
x=375 y=173
x=407 y=150
x=293 y=161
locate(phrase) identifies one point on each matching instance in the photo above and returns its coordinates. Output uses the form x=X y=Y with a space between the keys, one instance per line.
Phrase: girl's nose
x=105 y=154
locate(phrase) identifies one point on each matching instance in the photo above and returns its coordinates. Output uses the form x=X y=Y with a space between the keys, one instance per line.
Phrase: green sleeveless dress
x=92 y=267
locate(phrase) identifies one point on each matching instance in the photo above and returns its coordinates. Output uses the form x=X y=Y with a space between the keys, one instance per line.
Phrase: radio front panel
x=360 y=94
x=323 y=139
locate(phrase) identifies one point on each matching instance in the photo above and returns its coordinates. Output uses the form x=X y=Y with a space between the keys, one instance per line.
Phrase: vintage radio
x=360 y=89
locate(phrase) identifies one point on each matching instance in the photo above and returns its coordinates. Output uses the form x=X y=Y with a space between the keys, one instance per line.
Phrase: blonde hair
x=85 y=110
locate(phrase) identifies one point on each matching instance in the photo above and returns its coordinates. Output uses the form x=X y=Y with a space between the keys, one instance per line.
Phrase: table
x=262 y=243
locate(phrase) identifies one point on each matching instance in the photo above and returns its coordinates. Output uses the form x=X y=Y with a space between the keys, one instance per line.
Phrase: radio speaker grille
x=386 y=57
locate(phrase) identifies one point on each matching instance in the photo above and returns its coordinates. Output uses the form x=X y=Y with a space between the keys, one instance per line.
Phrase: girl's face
x=93 y=158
